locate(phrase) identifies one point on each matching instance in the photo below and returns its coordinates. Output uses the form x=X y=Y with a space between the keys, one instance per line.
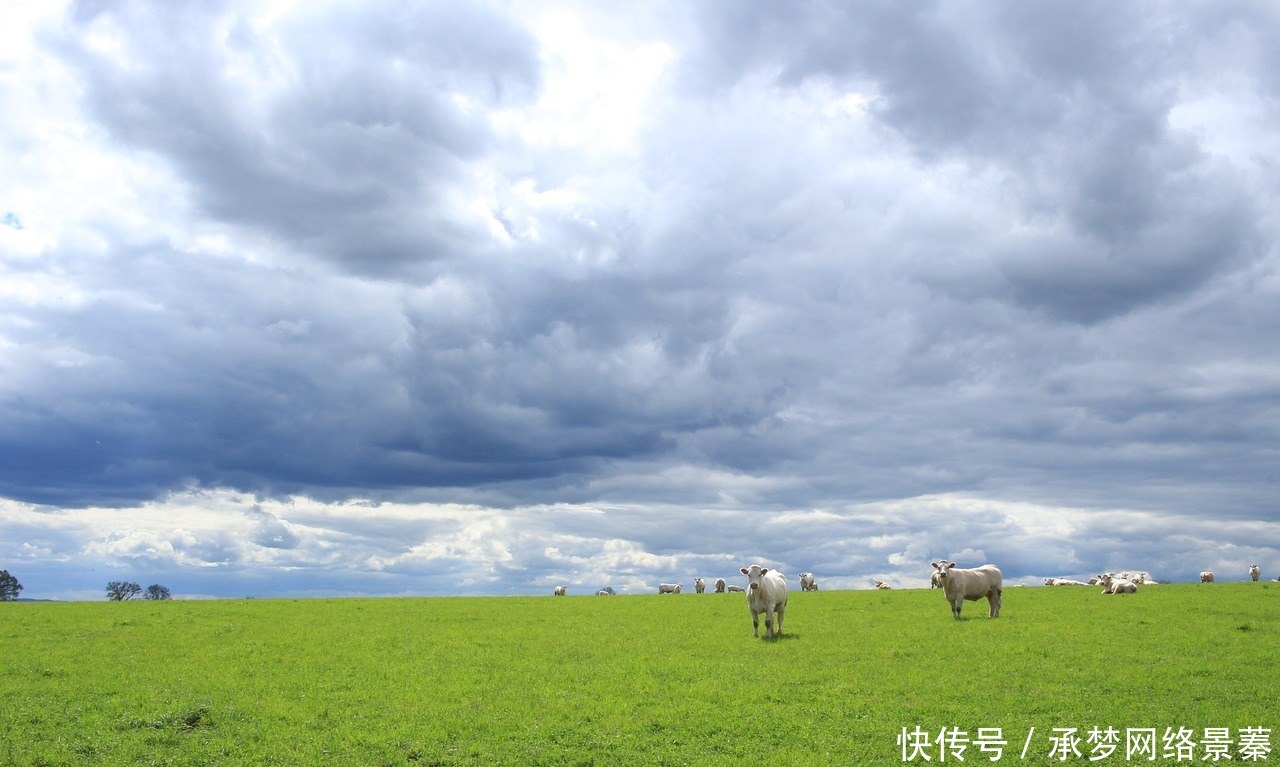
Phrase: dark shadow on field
x=785 y=637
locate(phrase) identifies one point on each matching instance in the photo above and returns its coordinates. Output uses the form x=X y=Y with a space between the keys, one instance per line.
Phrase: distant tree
x=9 y=587
x=156 y=591
x=119 y=591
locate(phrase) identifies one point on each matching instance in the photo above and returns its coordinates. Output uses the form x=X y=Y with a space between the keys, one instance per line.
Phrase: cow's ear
x=951 y=564
x=743 y=569
x=764 y=571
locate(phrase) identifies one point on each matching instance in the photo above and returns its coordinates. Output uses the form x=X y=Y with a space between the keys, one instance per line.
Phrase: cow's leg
x=994 y=599
x=768 y=621
x=782 y=609
x=955 y=607
x=755 y=623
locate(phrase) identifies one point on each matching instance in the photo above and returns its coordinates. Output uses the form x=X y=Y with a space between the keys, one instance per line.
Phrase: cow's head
x=943 y=570
x=754 y=574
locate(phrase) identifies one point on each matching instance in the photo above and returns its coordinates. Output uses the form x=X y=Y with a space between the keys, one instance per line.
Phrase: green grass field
x=629 y=680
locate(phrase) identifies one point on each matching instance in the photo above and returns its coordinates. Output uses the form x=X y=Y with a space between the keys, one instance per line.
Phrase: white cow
x=1206 y=577
x=959 y=584
x=1063 y=582
x=607 y=591
x=766 y=593
x=1112 y=585
x=719 y=585
x=935 y=580
x=699 y=585
x=882 y=585
x=807 y=583
x=560 y=591
x=669 y=588
x=1255 y=573
x=735 y=589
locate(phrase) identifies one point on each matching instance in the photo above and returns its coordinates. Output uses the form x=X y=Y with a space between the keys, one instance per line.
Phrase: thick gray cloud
x=909 y=276
x=337 y=133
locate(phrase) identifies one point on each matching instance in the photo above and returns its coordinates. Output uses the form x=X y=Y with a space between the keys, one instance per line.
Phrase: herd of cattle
x=767 y=589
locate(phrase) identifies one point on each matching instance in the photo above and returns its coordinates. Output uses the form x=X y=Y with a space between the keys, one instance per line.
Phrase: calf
x=766 y=593
x=719 y=585
x=735 y=589
x=959 y=584
x=560 y=591
x=807 y=583
x=699 y=585
x=1254 y=573
x=669 y=588
x=1206 y=577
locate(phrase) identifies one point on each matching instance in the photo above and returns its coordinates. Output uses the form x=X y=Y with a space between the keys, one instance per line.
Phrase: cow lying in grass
x=1112 y=585
x=766 y=593
x=959 y=584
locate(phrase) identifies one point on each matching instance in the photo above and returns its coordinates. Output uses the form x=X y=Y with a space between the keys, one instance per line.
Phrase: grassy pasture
x=629 y=680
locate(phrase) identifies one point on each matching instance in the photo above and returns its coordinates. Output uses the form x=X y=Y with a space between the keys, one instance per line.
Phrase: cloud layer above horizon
x=376 y=298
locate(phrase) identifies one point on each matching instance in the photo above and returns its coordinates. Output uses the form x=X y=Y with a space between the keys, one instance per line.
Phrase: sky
x=384 y=298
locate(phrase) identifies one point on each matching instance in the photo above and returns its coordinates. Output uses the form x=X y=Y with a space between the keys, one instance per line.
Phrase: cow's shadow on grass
x=784 y=637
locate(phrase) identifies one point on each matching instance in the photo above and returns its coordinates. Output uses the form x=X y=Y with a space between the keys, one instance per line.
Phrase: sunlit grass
x=619 y=680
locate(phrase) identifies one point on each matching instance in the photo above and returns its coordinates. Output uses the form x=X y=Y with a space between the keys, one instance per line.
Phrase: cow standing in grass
x=766 y=593
x=720 y=584
x=959 y=584
x=1206 y=577
x=1254 y=573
